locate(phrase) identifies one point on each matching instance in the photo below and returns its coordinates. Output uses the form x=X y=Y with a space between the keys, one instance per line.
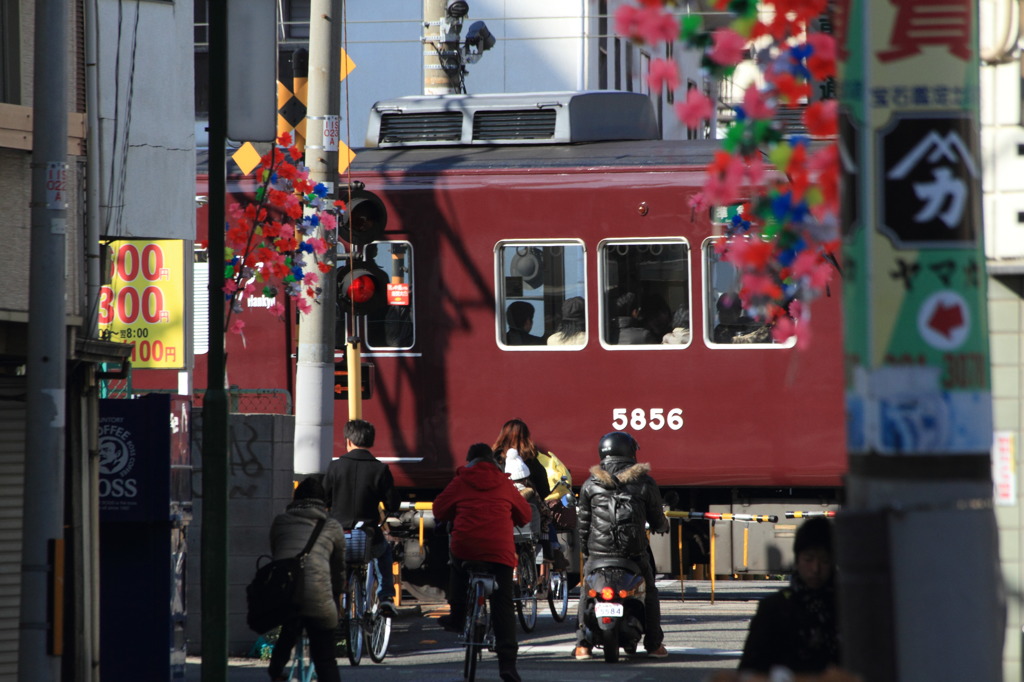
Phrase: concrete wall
x=259 y=487
x=1006 y=327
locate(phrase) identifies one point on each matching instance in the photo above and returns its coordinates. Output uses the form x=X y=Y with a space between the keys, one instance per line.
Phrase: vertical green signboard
x=915 y=325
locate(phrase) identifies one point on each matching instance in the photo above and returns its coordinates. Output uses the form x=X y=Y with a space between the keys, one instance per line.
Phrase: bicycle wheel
x=476 y=629
x=354 y=616
x=379 y=624
x=558 y=595
x=526 y=602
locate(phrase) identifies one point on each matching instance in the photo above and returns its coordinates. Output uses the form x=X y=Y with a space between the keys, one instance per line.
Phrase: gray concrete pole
x=314 y=375
x=43 y=520
x=436 y=55
x=920 y=586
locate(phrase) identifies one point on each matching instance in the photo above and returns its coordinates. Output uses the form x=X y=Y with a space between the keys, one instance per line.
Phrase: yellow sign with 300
x=144 y=303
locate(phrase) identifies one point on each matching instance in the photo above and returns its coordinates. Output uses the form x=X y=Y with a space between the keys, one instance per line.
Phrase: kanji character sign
x=930 y=163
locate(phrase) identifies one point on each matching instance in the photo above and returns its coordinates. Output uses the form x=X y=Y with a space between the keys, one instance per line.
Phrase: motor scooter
x=614 y=616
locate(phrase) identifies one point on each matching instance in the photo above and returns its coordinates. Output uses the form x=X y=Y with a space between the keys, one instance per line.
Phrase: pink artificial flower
x=328 y=221
x=808 y=265
x=303 y=305
x=697 y=107
x=783 y=329
x=755 y=169
x=718 y=191
x=729 y=47
x=311 y=278
x=627 y=18
x=276 y=309
x=796 y=309
x=656 y=26
x=755 y=105
x=663 y=73
x=237 y=326
x=319 y=245
x=230 y=286
x=697 y=202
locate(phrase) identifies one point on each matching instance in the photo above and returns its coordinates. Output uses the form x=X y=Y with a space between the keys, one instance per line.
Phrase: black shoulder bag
x=275 y=592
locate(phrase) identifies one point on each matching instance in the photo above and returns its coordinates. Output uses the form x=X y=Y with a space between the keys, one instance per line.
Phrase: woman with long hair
x=515 y=436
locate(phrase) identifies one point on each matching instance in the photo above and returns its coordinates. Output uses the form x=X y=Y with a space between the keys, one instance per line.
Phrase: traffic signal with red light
x=362 y=288
x=365 y=217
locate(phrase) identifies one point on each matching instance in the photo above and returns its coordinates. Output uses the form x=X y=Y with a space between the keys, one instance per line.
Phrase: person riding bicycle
x=323 y=580
x=619 y=470
x=483 y=505
x=357 y=483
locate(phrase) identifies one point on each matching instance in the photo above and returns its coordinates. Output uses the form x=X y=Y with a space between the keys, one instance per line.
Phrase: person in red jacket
x=483 y=505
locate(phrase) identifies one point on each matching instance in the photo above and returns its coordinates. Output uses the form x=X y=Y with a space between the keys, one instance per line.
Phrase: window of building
x=645 y=286
x=726 y=322
x=10 y=53
x=388 y=319
x=541 y=294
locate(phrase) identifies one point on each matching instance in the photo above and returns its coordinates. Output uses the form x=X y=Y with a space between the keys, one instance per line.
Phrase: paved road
x=701 y=637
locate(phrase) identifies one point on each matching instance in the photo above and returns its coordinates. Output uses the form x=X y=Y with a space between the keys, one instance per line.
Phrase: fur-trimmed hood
x=632 y=472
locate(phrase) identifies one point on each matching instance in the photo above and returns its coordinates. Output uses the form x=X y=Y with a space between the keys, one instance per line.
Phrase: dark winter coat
x=356 y=484
x=483 y=505
x=324 y=577
x=594 y=528
x=630 y=332
x=794 y=627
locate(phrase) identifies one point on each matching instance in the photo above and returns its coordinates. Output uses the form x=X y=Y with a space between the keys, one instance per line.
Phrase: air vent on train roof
x=524 y=118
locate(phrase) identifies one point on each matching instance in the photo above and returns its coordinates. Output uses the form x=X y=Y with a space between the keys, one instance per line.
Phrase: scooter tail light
x=607 y=593
x=623 y=594
x=591 y=593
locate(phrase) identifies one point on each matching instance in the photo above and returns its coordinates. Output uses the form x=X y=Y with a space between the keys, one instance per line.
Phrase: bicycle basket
x=358 y=546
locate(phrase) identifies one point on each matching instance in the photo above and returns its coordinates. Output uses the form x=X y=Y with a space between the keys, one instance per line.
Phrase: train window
x=645 y=285
x=726 y=323
x=393 y=323
x=541 y=295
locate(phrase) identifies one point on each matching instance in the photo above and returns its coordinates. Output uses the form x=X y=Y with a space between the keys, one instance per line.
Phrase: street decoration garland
x=268 y=242
x=785 y=238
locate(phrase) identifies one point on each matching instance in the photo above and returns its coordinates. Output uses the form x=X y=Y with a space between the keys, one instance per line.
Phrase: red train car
x=477 y=229
x=535 y=206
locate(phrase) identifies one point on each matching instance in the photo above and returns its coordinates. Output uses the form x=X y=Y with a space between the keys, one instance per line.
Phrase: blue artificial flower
x=785 y=258
x=781 y=205
x=306 y=246
x=800 y=212
x=314 y=220
x=320 y=190
x=297 y=273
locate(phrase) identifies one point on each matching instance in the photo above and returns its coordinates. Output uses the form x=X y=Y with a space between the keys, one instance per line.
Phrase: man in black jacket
x=357 y=483
x=796 y=628
x=619 y=469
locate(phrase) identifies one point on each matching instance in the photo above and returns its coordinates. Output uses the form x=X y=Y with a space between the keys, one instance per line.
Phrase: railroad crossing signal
x=291 y=112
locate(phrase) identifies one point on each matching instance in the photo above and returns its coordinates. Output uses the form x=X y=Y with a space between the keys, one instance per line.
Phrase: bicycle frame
x=478 y=632
x=366 y=624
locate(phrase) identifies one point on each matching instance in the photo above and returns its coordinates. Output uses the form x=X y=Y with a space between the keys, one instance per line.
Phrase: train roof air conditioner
x=523 y=118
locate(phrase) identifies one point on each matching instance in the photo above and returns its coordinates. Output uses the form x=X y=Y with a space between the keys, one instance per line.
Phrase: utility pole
x=314 y=380
x=441 y=57
x=918 y=390
x=214 y=538
x=39 y=639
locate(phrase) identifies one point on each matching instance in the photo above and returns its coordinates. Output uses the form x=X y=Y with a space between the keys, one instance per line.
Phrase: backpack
x=275 y=592
x=555 y=471
x=628 y=519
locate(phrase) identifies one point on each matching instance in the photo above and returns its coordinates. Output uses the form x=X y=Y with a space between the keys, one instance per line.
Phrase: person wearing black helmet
x=619 y=470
